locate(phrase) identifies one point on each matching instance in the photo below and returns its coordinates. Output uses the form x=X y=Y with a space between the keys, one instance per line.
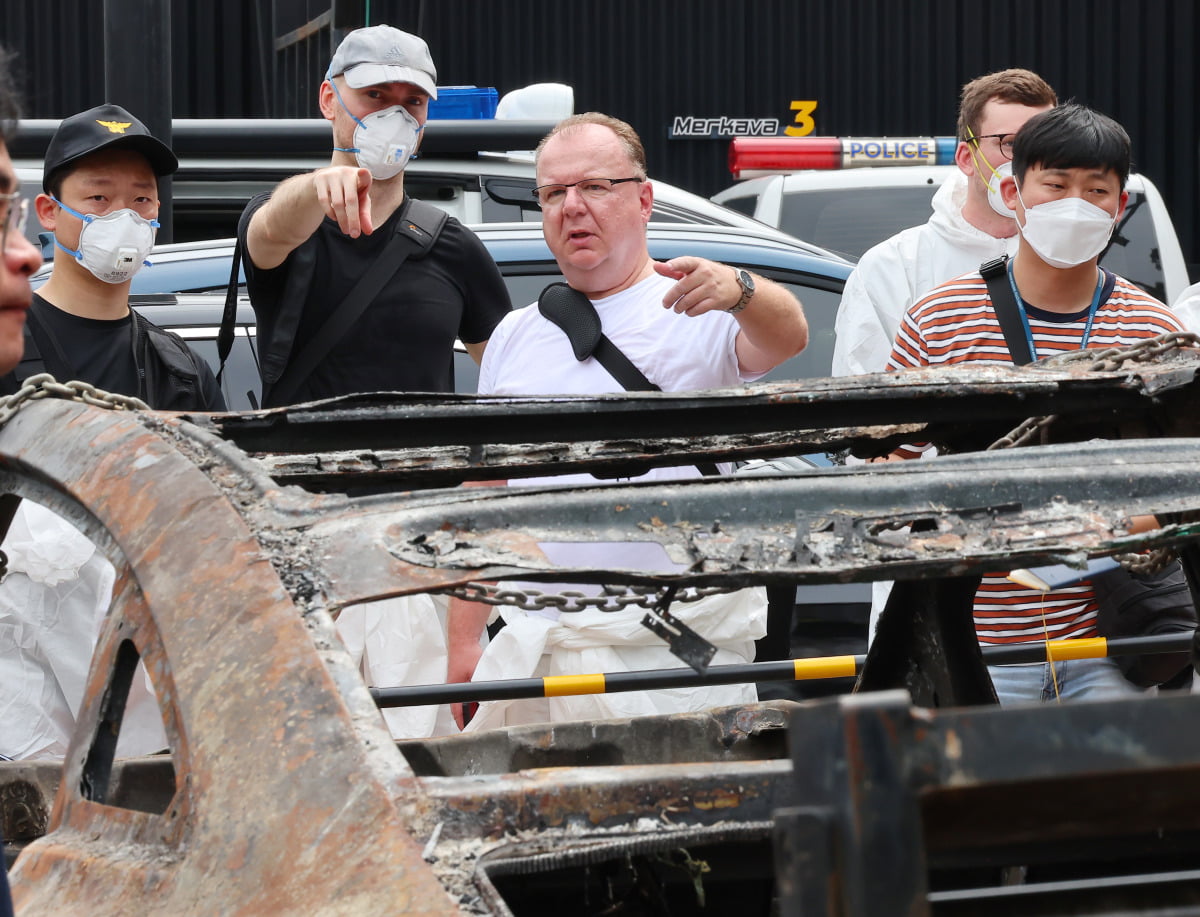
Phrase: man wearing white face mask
x=1070 y=165
x=969 y=226
x=100 y=201
x=311 y=240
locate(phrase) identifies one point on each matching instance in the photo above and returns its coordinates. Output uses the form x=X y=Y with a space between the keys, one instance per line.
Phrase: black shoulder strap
x=1007 y=314
x=574 y=313
x=229 y=316
x=416 y=231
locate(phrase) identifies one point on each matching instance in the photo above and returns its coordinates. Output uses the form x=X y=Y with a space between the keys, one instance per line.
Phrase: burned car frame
x=236 y=540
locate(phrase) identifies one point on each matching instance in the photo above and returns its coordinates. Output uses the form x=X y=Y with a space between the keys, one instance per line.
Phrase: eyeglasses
x=16 y=216
x=594 y=189
x=1004 y=141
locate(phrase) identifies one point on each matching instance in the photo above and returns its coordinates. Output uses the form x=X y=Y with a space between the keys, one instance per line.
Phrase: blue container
x=464 y=102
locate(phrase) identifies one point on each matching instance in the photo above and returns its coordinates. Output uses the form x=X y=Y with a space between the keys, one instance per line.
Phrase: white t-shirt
x=530 y=355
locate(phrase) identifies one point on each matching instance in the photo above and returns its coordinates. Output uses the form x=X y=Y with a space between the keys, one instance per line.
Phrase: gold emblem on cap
x=115 y=127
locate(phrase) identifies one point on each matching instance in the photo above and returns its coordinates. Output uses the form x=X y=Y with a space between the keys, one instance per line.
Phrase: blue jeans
x=1078 y=679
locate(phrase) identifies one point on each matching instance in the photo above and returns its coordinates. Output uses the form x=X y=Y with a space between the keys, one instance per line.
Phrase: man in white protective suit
x=970 y=223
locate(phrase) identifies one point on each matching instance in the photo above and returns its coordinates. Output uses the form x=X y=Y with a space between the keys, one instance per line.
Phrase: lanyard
x=1087 y=330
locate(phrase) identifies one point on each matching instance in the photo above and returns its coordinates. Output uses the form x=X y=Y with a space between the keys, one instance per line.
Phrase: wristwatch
x=746 y=282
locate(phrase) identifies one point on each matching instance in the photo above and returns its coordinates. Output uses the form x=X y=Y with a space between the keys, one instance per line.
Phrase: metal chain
x=1023 y=432
x=1109 y=360
x=44 y=385
x=1151 y=562
x=533 y=600
x=1100 y=361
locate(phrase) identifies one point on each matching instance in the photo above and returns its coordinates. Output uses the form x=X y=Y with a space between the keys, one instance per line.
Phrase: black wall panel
x=874 y=67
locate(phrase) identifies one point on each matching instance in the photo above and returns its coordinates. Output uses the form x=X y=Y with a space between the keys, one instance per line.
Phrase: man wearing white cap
x=311 y=240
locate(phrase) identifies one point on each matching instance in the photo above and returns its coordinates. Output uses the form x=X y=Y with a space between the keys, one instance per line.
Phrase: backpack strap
x=575 y=314
x=416 y=232
x=995 y=273
x=229 y=315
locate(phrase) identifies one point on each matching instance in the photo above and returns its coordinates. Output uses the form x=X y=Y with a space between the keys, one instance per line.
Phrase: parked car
x=184 y=289
x=850 y=210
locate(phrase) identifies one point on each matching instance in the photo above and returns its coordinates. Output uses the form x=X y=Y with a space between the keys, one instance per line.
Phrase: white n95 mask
x=1067 y=232
x=995 y=198
x=113 y=247
x=384 y=141
x=999 y=173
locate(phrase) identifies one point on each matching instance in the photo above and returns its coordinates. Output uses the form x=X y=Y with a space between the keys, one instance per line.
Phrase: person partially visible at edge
x=315 y=234
x=100 y=201
x=1067 y=190
x=686 y=324
x=970 y=224
x=21 y=259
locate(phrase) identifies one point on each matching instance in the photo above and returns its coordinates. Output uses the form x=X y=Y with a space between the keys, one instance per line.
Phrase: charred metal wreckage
x=237 y=538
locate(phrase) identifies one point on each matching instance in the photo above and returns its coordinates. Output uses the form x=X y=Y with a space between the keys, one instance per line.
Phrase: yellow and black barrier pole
x=786 y=670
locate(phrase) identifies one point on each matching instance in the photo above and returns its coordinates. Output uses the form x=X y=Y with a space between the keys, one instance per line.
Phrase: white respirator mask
x=113 y=247
x=999 y=173
x=1067 y=232
x=995 y=198
x=384 y=141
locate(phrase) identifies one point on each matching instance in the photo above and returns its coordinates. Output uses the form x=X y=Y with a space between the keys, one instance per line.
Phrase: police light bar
x=751 y=156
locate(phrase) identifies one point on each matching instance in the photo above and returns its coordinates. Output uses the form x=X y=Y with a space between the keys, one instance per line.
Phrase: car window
x=185 y=275
x=820 y=309
x=853 y=221
x=509 y=200
x=746 y=204
x=1133 y=249
x=525 y=287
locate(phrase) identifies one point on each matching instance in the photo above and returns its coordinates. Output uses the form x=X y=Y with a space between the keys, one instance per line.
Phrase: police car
x=816 y=189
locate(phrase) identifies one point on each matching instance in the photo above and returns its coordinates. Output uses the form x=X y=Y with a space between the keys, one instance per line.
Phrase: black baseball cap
x=100 y=128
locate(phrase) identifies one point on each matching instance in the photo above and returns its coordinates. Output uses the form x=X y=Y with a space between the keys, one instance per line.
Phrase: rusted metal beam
x=967 y=407
x=282 y=766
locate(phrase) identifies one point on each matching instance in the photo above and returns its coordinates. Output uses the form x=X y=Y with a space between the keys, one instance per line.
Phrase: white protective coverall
x=397 y=642
x=897 y=272
x=1187 y=308
x=588 y=642
x=52 y=605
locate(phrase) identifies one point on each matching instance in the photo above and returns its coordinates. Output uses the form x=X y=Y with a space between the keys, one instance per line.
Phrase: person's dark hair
x=625 y=133
x=1071 y=136
x=1015 y=86
x=10 y=106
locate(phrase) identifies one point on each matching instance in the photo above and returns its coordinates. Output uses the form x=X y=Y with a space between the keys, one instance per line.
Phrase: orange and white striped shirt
x=956 y=323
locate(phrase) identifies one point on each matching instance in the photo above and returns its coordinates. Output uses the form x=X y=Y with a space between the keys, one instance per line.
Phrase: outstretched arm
x=773 y=327
x=464 y=629
x=299 y=204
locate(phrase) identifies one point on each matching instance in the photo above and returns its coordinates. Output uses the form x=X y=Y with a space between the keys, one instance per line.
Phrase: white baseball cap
x=383 y=54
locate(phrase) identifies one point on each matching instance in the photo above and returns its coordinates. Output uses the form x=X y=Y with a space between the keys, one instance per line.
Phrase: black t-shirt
x=404 y=340
x=99 y=351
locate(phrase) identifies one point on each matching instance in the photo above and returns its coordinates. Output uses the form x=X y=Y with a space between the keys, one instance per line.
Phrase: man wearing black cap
x=101 y=204
x=312 y=239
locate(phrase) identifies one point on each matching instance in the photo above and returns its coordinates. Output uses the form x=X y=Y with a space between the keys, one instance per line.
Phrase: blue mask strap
x=348 y=149
x=77 y=254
